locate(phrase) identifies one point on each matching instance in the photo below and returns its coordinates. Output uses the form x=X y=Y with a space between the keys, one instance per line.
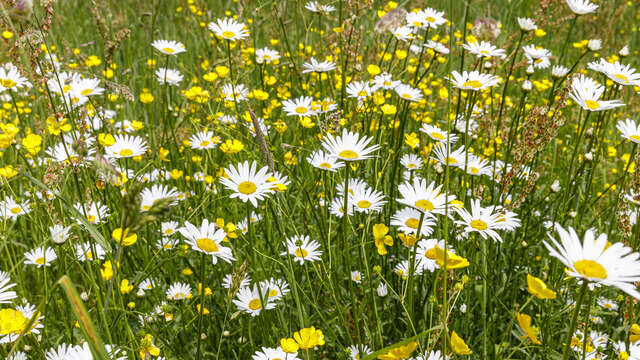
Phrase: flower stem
x=574 y=320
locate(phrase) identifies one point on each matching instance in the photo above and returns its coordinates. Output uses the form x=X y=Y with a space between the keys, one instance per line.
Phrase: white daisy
x=179 y=291
x=229 y=29
x=428 y=199
x=408 y=220
x=207 y=239
x=586 y=92
x=126 y=146
x=319 y=159
x=40 y=256
x=169 y=47
x=350 y=146
x=248 y=300
x=303 y=249
x=169 y=76
x=248 y=183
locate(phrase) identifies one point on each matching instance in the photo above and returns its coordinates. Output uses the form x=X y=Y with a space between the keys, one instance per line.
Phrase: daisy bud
x=589 y=132
x=203 y=336
x=463 y=308
x=588 y=156
x=226 y=333
x=382 y=290
x=526 y=24
x=536 y=213
x=527 y=85
x=84 y=296
x=27 y=348
x=242 y=340
x=555 y=187
x=530 y=70
x=524 y=244
x=573 y=214
x=488 y=64
x=559 y=71
x=149 y=319
x=624 y=51
x=594 y=45
x=140 y=293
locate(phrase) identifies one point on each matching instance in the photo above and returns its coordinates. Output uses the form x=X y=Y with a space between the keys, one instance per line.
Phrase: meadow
x=330 y=179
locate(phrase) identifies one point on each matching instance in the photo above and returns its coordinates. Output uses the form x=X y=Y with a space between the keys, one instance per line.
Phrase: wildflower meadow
x=326 y=179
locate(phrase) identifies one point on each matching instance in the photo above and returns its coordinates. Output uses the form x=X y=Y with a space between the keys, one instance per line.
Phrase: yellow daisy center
x=348 y=154
x=301 y=253
x=430 y=19
x=325 y=165
x=207 y=245
x=86 y=92
x=16 y=210
x=8 y=83
x=40 y=261
x=204 y=143
x=635 y=137
x=91 y=218
x=247 y=187
x=424 y=205
x=255 y=304
x=168 y=50
x=474 y=170
x=478 y=225
x=412 y=223
x=472 y=83
x=364 y=204
x=146 y=207
x=406 y=96
x=228 y=34
x=437 y=136
x=301 y=110
x=168 y=231
x=592 y=104
x=590 y=268
x=622 y=77
x=126 y=152
x=273 y=293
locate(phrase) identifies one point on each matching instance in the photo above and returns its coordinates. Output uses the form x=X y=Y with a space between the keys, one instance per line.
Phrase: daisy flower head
x=432 y=18
x=403 y=33
x=616 y=72
x=607 y=304
x=475 y=165
x=595 y=261
x=411 y=161
x=425 y=198
x=357 y=352
x=203 y=140
x=527 y=24
x=273 y=353
x=360 y=90
x=126 y=146
x=314 y=65
x=438 y=47
x=408 y=221
x=408 y=93
x=582 y=7
x=356 y=276
x=442 y=153
x=207 y=239
x=234 y=92
x=439 y=135
x=538 y=57
x=5 y=284
x=473 y=81
x=274 y=289
x=169 y=47
x=11 y=79
x=40 y=256
x=236 y=281
x=95 y=212
x=629 y=130
x=483 y=220
x=385 y=81
x=315 y=7
x=350 y=146
x=484 y=49
x=11 y=209
x=302 y=106
x=87 y=251
x=168 y=76
x=247 y=182
x=266 y=55
x=321 y=160
x=150 y=196
x=425 y=258
x=366 y=200
x=337 y=207
x=229 y=29
x=179 y=291
x=586 y=92
x=302 y=248
x=248 y=300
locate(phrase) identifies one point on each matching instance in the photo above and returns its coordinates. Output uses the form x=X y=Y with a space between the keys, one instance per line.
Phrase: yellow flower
x=32 y=143
x=222 y=71
x=373 y=70
x=12 y=322
x=539 y=289
x=232 y=146
x=55 y=127
x=125 y=239
x=289 y=345
x=401 y=352
x=107 y=270
x=531 y=332
x=381 y=238
x=146 y=97
x=308 y=338
x=412 y=140
x=92 y=61
x=454 y=261
x=8 y=172
x=7 y=34
x=125 y=286
x=147 y=347
x=635 y=333
x=388 y=109
x=458 y=345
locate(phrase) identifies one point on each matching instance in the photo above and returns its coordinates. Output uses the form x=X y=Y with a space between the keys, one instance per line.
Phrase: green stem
x=574 y=320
